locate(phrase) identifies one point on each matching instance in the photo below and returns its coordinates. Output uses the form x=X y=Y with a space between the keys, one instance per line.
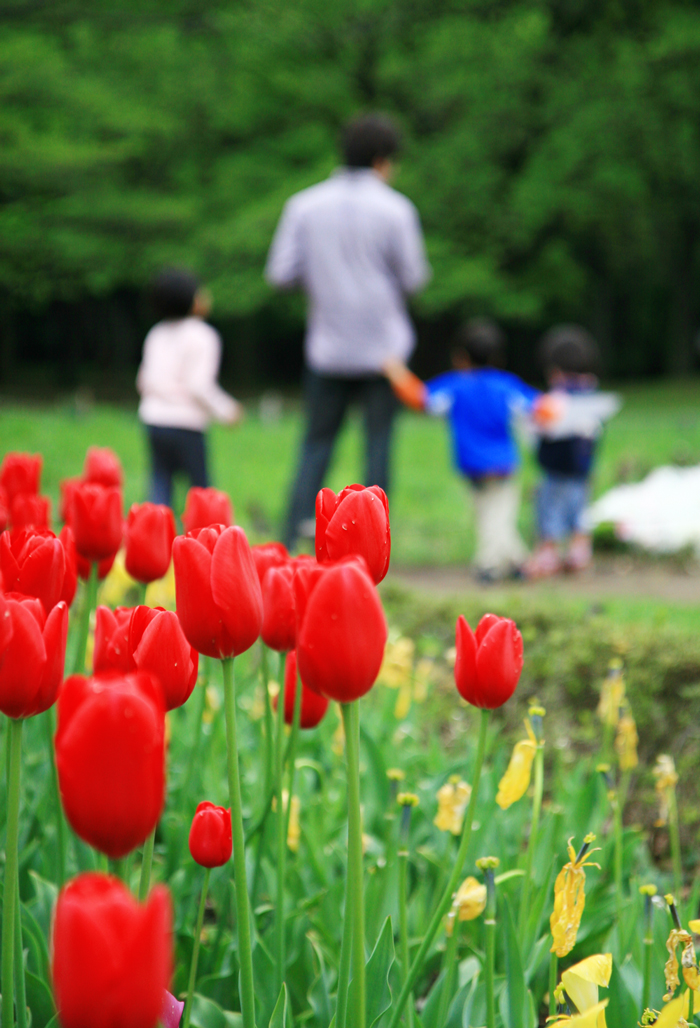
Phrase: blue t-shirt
x=480 y=404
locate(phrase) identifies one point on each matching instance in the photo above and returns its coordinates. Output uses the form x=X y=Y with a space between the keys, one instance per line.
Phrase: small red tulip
x=489 y=661
x=67 y=487
x=269 y=555
x=112 y=957
x=103 y=467
x=20 y=473
x=33 y=562
x=96 y=520
x=356 y=521
x=211 y=844
x=205 y=507
x=313 y=706
x=110 y=756
x=219 y=602
x=29 y=510
x=158 y=645
x=279 y=617
x=150 y=531
x=112 y=651
x=4 y=510
x=342 y=633
x=31 y=666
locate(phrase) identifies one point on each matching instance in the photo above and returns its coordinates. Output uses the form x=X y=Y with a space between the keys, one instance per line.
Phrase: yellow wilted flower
x=582 y=981
x=570 y=898
x=666 y=778
x=467 y=903
x=612 y=694
x=338 y=740
x=212 y=702
x=294 y=829
x=673 y=1015
x=162 y=592
x=452 y=802
x=397 y=665
x=403 y=701
x=422 y=675
x=516 y=780
x=626 y=742
x=118 y=583
x=591 y=1018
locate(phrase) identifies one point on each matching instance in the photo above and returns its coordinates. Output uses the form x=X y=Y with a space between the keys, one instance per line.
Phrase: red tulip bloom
x=489 y=661
x=211 y=844
x=112 y=958
x=33 y=562
x=219 y=602
x=112 y=651
x=356 y=521
x=103 y=467
x=149 y=535
x=4 y=510
x=342 y=634
x=205 y=507
x=67 y=487
x=269 y=555
x=70 y=580
x=29 y=510
x=20 y=473
x=110 y=756
x=158 y=645
x=313 y=707
x=279 y=617
x=96 y=520
x=31 y=665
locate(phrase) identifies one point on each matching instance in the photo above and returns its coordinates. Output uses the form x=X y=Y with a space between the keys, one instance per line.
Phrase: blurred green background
x=552 y=148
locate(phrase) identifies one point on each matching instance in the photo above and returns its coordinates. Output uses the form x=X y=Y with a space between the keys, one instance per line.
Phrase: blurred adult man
x=355 y=247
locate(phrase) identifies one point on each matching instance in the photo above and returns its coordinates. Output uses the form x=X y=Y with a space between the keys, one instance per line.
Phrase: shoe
x=545 y=562
x=580 y=553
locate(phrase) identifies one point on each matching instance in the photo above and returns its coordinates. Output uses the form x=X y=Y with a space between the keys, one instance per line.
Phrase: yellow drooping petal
x=666 y=778
x=612 y=694
x=294 y=829
x=674 y=1014
x=516 y=780
x=592 y=1018
x=162 y=592
x=403 y=701
x=569 y=901
x=582 y=980
x=425 y=668
x=676 y=936
x=397 y=665
x=469 y=901
x=626 y=742
x=689 y=964
x=452 y=802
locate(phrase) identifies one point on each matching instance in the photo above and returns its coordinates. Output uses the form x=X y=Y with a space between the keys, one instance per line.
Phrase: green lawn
x=431 y=516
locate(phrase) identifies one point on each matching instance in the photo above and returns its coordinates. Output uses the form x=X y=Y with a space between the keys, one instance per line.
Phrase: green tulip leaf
x=207 y=1014
x=279 y=1014
x=377 y=977
x=39 y=1000
x=517 y=989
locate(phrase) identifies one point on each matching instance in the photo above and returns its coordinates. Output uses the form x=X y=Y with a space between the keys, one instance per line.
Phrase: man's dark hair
x=571 y=349
x=369 y=138
x=173 y=292
x=482 y=341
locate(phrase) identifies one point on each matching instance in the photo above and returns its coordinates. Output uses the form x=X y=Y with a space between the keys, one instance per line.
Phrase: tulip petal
x=499 y=661
x=465 y=664
x=23 y=662
x=199 y=616
x=360 y=525
x=235 y=588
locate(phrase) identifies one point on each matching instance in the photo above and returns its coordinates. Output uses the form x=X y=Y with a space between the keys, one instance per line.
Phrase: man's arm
x=284 y=261
x=408 y=257
x=408 y=387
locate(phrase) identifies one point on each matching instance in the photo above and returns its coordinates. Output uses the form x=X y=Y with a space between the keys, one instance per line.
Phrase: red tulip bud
x=29 y=510
x=356 y=521
x=33 y=562
x=20 y=473
x=158 y=645
x=489 y=661
x=96 y=520
x=279 y=618
x=103 y=467
x=211 y=843
x=150 y=531
x=313 y=707
x=269 y=555
x=31 y=669
x=204 y=507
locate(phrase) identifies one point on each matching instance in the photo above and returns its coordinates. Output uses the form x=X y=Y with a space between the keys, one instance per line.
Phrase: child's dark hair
x=173 y=292
x=482 y=341
x=571 y=349
x=369 y=138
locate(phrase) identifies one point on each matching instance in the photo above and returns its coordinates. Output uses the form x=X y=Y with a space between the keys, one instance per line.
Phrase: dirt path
x=610 y=576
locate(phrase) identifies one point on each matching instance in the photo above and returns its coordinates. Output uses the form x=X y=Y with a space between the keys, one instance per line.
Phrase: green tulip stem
x=291 y=755
x=648 y=948
x=58 y=809
x=532 y=841
x=146 y=864
x=446 y=899
x=674 y=832
x=449 y=965
x=617 y=827
x=490 y=934
x=89 y=604
x=354 y=900
x=20 y=990
x=245 y=952
x=553 y=975
x=201 y=690
x=403 y=855
x=195 y=950
x=269 y=720
x=11 y=867
x=281 y=822
x=142 y=588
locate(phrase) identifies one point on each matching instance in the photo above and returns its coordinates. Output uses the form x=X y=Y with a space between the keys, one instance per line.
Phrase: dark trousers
x=327 y=400
x=174 y=450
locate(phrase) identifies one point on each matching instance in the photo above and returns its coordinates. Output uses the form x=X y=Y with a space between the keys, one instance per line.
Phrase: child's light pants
x=499 y=548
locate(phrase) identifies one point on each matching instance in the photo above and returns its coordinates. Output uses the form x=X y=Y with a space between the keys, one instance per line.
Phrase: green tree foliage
x=553 y=149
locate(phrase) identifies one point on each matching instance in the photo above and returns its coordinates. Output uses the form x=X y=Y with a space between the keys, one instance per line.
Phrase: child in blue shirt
x=481 y=402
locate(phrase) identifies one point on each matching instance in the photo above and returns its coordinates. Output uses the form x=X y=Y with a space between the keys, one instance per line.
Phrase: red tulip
x=219 y=602
x=31 y=666
x=6 y=629
x=103 y=467
x=96 y=520
x=77 y=565
x=149 y=535
x=489 y=661
x=33 y=562
x=67 y=487
x=279 y=618
x=356 y=521
x=269 y=555
x=342 y=634
x=112 y=957
x=29 y=510
x=110 y=756
x=313 y=706
x=158 y=644
x=211 y=844
x=20 y=473
x=205 y=507
x=4 y=510
x=112 y=651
